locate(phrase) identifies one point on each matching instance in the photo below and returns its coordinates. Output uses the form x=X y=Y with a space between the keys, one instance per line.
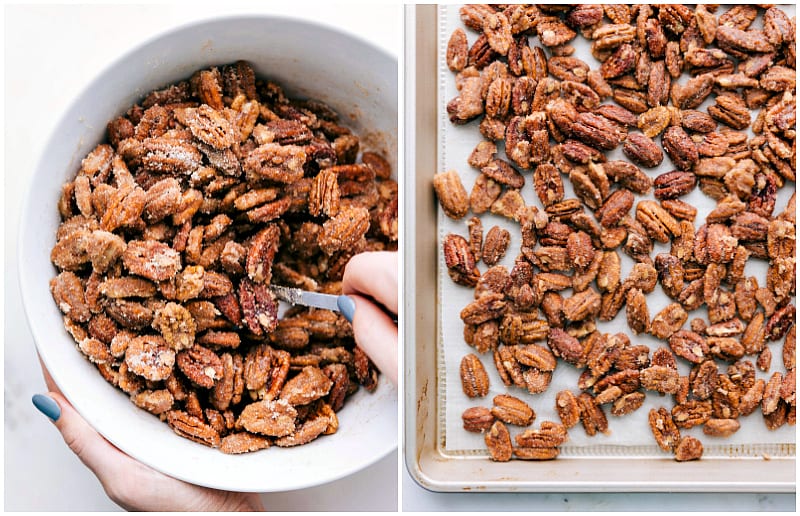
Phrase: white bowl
x=312 y=61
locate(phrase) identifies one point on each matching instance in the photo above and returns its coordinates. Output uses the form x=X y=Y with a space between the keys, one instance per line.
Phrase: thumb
x=376 y=334
x=94 y=451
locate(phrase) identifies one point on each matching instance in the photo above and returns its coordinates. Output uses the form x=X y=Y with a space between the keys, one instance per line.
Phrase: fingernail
x=47 y=406
x=347 y=306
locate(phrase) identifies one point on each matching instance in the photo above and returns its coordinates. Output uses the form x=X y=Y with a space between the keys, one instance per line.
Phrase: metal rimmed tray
x=431 y=462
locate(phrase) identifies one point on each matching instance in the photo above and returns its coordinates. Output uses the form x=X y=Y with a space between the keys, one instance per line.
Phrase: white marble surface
x=51 y=53
x=415 y=498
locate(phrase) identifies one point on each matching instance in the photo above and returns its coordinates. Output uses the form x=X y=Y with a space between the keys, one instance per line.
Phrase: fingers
x=93 y=450
x=374 y=275
x=376 y=334
x=82 y=439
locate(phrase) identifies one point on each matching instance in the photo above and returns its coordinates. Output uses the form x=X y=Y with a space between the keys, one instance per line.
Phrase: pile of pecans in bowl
x=172 y=231
x=555 y=117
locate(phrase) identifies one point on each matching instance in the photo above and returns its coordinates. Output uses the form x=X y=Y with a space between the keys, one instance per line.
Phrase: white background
x=51 y=53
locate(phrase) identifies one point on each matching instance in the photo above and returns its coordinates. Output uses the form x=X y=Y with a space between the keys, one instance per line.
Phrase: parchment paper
x=629 y=435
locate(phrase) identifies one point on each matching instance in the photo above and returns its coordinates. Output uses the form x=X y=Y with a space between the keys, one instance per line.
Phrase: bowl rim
x=24 y=271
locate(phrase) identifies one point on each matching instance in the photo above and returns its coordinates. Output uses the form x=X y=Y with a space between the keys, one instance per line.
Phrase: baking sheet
x=629 y=435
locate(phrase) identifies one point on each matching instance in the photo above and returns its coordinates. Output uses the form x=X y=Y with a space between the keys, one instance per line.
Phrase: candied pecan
x=590 y=185
x=485 y=336
x=582 y=305
x=550 y=435
x=281 y=163
x=680 y=148
x=484 y=193
x=474 y=379
x=597 y=131
x=779 y=322
x=565 y=346
x=310 y=384
x=660 y=378
x=619 y=62
x=460 y=260
x=731 y=111
x=155 y=402
x=608 y=272
x=95 y=350
x=628 y=176
x=222 y=392
x=592 y=416
x=498 y=97
x=636 y=311
x=688 y=448
x=642 y=150
x=552 y=32
x=612 y=35
x=536 y=453
x=509 y=369
x=731 y=38
x=689 y=345
x=664 y=430
x=261 y=254
x=668 y=321
x=512 y=411
x=259 y=306
x=534 y=356
x=751 y=398
x=503 y=173
x=509 y=204
x=788 y=350
x=480 y=54
x=70 y=296
x=276 y=418
x=192 y=428
x=451 y=194
x=477 y=419
x=498 y=442
x=721 y=427
x=457 y=50
x=495 y=245
x=674 y=184
x=584 y=15
x=207 y=125
x=153 y=260
x=149 y=356
x=200 y=365
x=483 y=154
x=568 y=69
x=615 y=207
x=324 y=195
x=176 y=325
x=323 y=421
x=567 y=408
x=469 y=104
x=242 y=442
x=475 y=237
x=627 y=403
x=129 y=314
x=168 y=155
x=344 y=230
x=659 y=224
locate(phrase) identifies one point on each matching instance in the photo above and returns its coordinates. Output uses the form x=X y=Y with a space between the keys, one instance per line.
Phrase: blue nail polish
x=47 y=406
x=347 y=306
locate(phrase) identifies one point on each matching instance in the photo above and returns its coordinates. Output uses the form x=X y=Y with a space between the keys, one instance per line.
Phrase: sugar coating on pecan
x=713 y=89
x=207 y=191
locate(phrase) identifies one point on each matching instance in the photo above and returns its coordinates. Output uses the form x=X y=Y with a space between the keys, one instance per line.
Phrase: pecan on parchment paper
x=709 y=91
